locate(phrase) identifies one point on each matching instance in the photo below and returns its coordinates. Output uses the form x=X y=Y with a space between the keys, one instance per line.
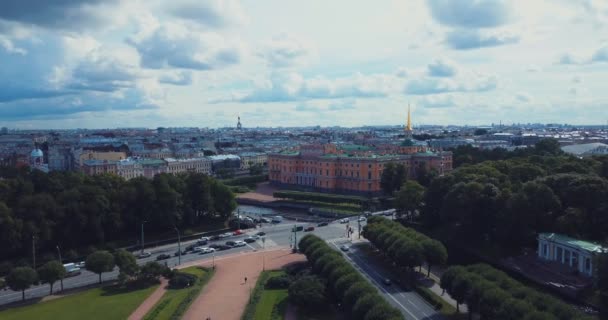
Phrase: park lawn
x=270 y=299
x=171 y=301
x=100 y=303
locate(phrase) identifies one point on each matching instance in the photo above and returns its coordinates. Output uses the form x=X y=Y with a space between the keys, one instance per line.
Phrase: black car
x=201 y=242
x=230 y=243
x=184 y=252
x=387 y=282
x=223 y=247
x=249 y=240
x=322 y=224
x=261 y=233
x=163 y=256
x=215 y=237
x=215 y=245
x=190 y=247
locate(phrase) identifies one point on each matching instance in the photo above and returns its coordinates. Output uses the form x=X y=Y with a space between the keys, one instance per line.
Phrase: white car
x=240 y=243
x=345 y=220
x=344 y=248
x=198 y=249
x=204 y=239
x=226 y=235
x=207 y=250
x=254 y=237
x=81 y=264
x=362 y=219
x=144 y=254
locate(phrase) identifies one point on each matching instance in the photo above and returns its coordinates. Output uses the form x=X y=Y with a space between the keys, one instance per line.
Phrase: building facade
x=198 y=165
x=577 y=254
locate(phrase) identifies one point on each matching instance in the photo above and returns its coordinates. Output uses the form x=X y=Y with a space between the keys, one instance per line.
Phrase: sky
x=202 y=63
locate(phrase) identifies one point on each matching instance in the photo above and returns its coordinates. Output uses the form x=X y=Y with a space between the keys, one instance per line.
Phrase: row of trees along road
x=355 y=293
x=75 y=211
x=495 y=296
x=99 y=262
x=406 y=247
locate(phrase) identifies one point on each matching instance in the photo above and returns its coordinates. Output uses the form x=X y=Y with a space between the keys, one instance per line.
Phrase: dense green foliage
x=406 y=247
x=21 y=278
x=508 y=202
x=51 y=272
x=307 y=292
x=247 y=181
x=409 y=199
x=393 y=177
x=495 y=295
x=77 y=211
x=349 y=286
x=100 y=262
x=321 y=197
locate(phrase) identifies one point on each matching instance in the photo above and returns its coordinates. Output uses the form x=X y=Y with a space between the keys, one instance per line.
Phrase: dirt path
x=227 y=294
x=150 y=301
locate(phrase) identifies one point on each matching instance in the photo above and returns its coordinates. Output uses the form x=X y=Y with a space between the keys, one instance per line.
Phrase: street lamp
x=179 y=247
x=263 y=253
x=60 y=261
x=142 y=236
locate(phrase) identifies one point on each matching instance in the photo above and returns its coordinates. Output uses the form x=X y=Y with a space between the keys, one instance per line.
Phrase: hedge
x=249 y=312
x=245 y=180
x=322 y=197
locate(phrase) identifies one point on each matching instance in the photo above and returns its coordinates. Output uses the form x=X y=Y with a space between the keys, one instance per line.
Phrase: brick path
x=150 y=301
x=226 y=294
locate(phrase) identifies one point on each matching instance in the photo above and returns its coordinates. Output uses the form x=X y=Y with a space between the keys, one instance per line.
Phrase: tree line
x=74 y=211
x=406 y=247
x=494 y=295
x=355 y=293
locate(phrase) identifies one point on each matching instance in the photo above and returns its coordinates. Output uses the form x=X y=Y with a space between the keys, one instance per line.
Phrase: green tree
x=355 y=292
x=364 y=304
x=548 y=147
x=307 y=292
x=127 y=264
x=151 y=271
x=21 y=278
x=435 y=253
x=50 y=272
x=100 y=262
x=409 y=199
x=386 y=179
x=383 y=311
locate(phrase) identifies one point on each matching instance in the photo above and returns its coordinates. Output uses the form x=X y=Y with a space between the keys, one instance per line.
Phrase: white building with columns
x=577 y=254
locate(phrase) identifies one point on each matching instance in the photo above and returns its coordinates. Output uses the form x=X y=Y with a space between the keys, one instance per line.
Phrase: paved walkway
x=150 y=301
x=227 y=293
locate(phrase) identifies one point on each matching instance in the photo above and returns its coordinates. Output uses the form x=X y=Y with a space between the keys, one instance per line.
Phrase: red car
x=311 y=228
x=238 y=232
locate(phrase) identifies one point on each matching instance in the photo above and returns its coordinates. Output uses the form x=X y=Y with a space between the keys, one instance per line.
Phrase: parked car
x=240 y=243
x=297 y=228
x=265 y=220
x=80 y=264
x=249 y=240
x=215 y=237
x=215 y=246
x=261 y=233
x=226 y=235
x=310 y=228
x=163 y=256
x=322 y=224
x=238 y=232
x=344 y=220
x=204 y=239
x=202 y=242
x=144 y=254
x=362 y=219
x=207 y=250
x=344 y=248
x=230 y=243
x=223 y=247
x=197 y=249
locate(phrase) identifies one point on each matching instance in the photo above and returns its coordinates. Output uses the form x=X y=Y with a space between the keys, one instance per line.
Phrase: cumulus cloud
x=175 y=46
x=474 y=39
x=286 y=51
x=429 y=86
x=599 y=56
x=183 y=78
x=9 y=46
x=523 y=97
x=105 y=73
x=210 y=13
x=470 y=13
x=291 y=86
x=64 y=14
x=442 y=68
x=437 y=101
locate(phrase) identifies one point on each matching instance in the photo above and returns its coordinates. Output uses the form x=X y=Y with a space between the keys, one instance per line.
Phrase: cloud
x=601 y=55
x=569 y=59
x=62 y=14
x=291 y=86
x=9 y=46
x=429 y=86
x=523 y=97
x=442 y=68
x=307 y=108
x=99 y=72
x=470 y=13
x=437 y=101
x=473 y=39
x=175 y=46
x=286 y=51
x=401 y=72
x=183 y=78
x=209 y=13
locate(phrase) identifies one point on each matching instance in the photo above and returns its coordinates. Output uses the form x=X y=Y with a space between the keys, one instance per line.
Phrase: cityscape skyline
x=203 y=63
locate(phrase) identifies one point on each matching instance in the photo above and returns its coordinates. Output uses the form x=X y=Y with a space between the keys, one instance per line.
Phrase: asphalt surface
x=277 y=235
x=411 y=305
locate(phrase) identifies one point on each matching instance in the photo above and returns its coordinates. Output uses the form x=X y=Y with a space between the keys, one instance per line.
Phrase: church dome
x=36 y=153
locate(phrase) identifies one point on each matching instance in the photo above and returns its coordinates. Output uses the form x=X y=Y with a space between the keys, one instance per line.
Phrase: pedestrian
x=245 y=279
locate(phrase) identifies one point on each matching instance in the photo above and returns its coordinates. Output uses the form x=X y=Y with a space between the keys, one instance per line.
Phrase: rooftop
x=576 y=243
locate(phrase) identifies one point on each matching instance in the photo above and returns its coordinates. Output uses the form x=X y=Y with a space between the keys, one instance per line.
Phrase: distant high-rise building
x=239 y=126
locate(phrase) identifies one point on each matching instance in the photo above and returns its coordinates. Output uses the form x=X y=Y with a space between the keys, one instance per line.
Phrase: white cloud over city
x=118 y=63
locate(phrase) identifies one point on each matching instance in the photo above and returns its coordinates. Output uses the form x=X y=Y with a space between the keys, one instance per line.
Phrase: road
x=411 y=305
x=277 y=235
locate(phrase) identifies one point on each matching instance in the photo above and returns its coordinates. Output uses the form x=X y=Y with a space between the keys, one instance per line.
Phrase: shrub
x=307 y=292
x=181 y=280
x=280 y=282
x=355 y=292
x=365 y=304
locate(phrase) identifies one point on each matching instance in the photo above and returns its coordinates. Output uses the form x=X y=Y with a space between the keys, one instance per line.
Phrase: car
x=226 y=235
x=176 y=254
x=310 y=228
x=238 y=232
x=387 y=281
x=197 y=248
x=230 y=243
x=240 y=243
x=190 y=247
x=297 y=228
x=144 y=254
x=322 y=224
x=80 y=264
x=204 y=239
x=223 y=247
x=215 y=237
x=362 y=219
x=344 y=248
x=214 y=245
x=344 y=220
x=265 y=220
x=261 y=233
x=206 y=250
x=255 y=237
x=249 y=240
x=163 y=256
x=202 y=242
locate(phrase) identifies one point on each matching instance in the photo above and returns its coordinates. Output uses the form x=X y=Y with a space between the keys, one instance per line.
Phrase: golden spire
x=408 y=127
